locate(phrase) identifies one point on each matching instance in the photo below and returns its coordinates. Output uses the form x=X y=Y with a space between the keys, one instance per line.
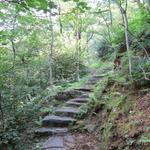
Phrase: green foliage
x=39 y=122
x=100 y=64
x=79 y=83
x=26 y=47
x=100 y=88
x=114 y=102
x=117 y=77
x=9 y=136
x=47 y=110
x=118 y=38
x=138 y=67
x=64 y=66
x=140 y=22
x=44 y=5
x=144 y=139
x=83 y=110
x=95 y=99
x=103 y=48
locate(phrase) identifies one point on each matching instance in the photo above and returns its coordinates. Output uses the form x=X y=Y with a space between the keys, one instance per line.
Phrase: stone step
x=85 y=94
x=85 y=89
x=54 y=142
x=69 y=142
x=66 y=142
x=57 y=121
x=73 y=104
x=94 y=79
x=91 y=82
x=79 y=100
x=65 y=95
x=67 y=111
x=99 y=76
x=50 y=131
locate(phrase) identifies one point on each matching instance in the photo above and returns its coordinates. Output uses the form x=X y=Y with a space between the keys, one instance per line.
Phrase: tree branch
x=144 y=73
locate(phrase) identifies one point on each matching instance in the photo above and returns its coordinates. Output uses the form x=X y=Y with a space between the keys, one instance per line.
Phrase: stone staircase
x=55 y=127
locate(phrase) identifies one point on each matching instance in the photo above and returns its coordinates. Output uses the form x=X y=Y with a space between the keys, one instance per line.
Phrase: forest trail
x=46 y=46
x=56 y=126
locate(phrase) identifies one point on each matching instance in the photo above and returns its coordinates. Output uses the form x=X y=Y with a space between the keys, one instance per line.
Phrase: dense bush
x=65 y=66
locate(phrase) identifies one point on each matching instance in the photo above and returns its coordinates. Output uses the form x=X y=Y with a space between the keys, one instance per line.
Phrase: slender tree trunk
x=79 y=51
x=127 y=40
x=59 y=13
x=89 y=36
x=60 y=23
x=77 y=48
x=50 y=71
x=78 y=59
x=14 y=76
x=51 y=50
x=14 y=106
x=125 y=22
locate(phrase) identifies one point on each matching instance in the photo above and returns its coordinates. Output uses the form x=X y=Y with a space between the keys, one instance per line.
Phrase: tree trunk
x=50 y=71
x=78 y=63
x=77 y=48
x=14 y=76
x=127 y=40
x=60 y=23
x=78 y=58
x=125 y=22
x=51 y=50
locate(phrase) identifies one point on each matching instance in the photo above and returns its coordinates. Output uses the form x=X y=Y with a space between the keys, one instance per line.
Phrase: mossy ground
x=126 y=118
x=118 y=116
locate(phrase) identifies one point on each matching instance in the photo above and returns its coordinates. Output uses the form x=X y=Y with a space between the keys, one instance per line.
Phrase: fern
x=144 y=140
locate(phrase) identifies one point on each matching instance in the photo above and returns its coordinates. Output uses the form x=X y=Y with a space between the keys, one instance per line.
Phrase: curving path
x=55 y=127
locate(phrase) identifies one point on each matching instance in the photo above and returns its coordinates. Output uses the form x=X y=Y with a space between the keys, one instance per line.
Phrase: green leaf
x=52 y=5
x=66 y=0
x=43 y=4
x=76 y=1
